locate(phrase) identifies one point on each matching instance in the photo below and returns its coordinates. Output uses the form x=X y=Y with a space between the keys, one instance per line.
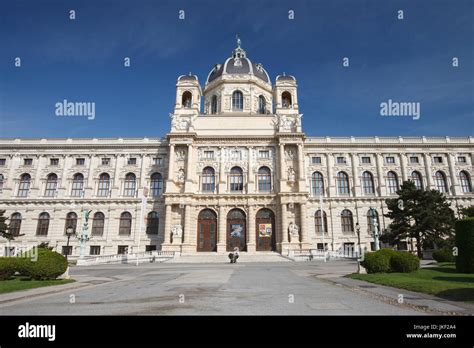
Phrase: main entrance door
x=236 y=230
x=266 y=233
x=207 y=231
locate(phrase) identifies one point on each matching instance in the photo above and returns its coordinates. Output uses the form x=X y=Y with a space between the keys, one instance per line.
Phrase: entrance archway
x=236 y=230
x=266 y=230
x=207 y=231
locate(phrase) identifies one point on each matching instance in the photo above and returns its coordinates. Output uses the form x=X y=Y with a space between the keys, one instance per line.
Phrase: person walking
x=233 y=256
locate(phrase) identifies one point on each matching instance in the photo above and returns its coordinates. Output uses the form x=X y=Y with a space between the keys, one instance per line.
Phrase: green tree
x=421 y=214
x=4 y=228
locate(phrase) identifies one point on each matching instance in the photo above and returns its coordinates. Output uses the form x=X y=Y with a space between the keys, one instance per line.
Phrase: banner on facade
x=265 y=230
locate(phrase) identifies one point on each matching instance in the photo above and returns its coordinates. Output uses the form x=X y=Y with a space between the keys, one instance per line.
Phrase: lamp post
x=373 y=216
x=84 y=238
x=360 y=249
x=69 y=233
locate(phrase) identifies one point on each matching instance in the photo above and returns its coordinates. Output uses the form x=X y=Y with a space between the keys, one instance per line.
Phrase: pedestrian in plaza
x=233 y=256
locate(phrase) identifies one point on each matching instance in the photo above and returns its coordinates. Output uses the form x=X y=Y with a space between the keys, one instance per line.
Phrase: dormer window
x=237 y=101
x=262 y=105
x=187 y=99
x=286 y=99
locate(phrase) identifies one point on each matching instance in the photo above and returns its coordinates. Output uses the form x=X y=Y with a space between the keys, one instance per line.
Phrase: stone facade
x=242 y=166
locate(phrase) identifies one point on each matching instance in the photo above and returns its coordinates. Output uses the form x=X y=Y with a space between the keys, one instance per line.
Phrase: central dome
x=238 y=64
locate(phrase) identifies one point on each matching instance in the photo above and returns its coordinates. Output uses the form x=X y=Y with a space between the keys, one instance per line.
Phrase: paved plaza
x=284 y=288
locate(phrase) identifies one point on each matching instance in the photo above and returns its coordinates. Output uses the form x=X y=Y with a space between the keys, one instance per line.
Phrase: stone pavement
x=277 y=288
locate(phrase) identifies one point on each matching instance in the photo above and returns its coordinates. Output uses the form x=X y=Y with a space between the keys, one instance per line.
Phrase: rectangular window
x=66 y=250
x=320 y=246
x=94 y=250
x=264 y=154
x=462 y=159
x=80 y=161
x=122 y=249
x=341 y=160
x=132 y=161
x=316 y=160
x=3 y=161
x=158 y=161
x=366 y=160
x=390 y=160
x=150 y=247
x=414 y=159
x=209 y=154
x=438 y=159
x=105 y=161
x=349 y=248
x=28 y=161
x=54 y=161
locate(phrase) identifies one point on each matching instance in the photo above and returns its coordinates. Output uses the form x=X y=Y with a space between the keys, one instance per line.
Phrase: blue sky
x=82 y=60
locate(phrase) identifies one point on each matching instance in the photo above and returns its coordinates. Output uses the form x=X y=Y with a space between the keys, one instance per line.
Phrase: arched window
x=15 y=224
x=392 y=182
x=77 y=185
x=214 y=104
x=264 y=179
x=129 y=188
x=51 y=185
x=347 y=222
x=368 y=183
x=317 y=222
x=342 y=183
x=125 y=227
x=317 y=184
x=71 y=221
x=152 y=223
x=441 y=183
x=370 y=221
x=98 y=222
x=156 y=185
x=262 y=105
x=237 y=101
x=104 y=185
x=286 y=99
x=43 y=225
x=186 y=99
x=417 y=180
x=236 y=179
x=24 y=187
x=208 y=179
x=465 y=180
x=1 y=183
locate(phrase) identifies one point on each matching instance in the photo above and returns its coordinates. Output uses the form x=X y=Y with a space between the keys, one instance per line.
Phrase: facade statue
x=180 y=176
x=291 y=174
x=177 y=233
x=293 y=231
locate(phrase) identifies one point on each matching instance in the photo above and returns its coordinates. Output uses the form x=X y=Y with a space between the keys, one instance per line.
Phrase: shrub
x=404 y=262
x=376 y=262
x=49 y=265
x=443 y=255
x=7 y=267
x=389 y=260
x=465 y=245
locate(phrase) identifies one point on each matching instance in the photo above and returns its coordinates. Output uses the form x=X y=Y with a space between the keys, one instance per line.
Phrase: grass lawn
x=442 y=280
x=21 y=283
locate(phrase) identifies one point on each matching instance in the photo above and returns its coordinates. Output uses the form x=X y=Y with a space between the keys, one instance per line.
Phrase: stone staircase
x=204 y=257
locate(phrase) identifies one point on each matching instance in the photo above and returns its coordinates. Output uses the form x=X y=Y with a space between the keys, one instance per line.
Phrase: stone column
x=142 y=172
x=301 y=175
x=403 y=165
x=168 y=217
x=282 y=167
x=304 y=226
x=380 y=174
x=222 y=178
x=355 y=176
x=331 y=188
x=251 y=244
x=452 y=172
x=427 y=163
x=221 y=242
x=116 y=182
x=189 y=169
x=187 y=223
x=284 y=224
x=251 y=178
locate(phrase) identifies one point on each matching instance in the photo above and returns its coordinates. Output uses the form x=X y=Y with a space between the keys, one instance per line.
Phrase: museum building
x=236 y=171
